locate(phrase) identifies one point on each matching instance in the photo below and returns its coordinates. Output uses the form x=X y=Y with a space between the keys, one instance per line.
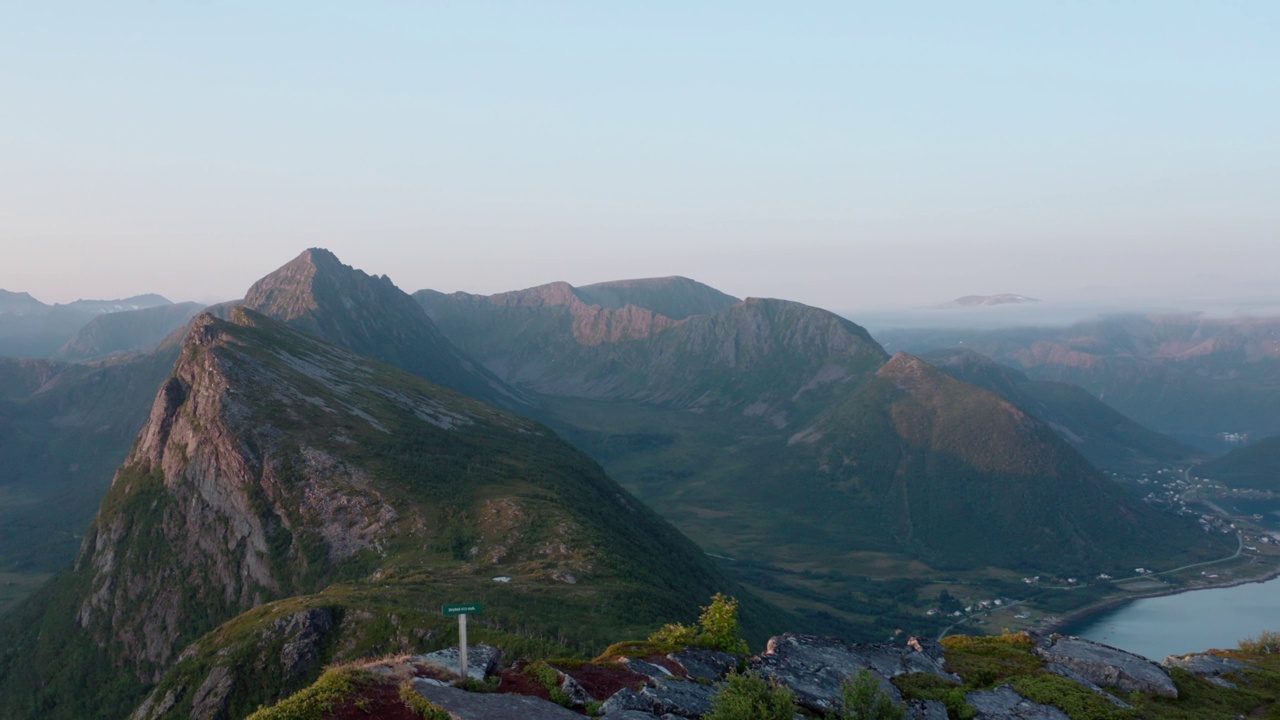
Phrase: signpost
x=462 y=611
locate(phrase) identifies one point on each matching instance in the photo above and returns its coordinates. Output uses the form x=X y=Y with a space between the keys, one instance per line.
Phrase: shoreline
x=1097 y=608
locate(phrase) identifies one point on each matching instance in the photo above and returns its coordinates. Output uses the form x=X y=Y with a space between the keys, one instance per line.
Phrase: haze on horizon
x=848 y=157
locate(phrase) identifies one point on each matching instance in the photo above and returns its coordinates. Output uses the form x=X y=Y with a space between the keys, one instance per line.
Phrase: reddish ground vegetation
x=603 y=680
x=514 y=681
x=378 y=700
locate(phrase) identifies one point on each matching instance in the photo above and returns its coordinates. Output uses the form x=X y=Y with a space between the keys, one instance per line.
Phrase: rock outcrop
x=816 y=667
x=464 y=705
x=1005 y=704
x=1106 y=666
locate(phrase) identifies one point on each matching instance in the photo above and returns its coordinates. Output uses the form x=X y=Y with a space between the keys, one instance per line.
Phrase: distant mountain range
x=766 y=419
x=32 y=329
x=1186 y=375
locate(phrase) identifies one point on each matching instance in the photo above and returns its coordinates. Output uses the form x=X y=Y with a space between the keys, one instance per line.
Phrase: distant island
x=985 y=300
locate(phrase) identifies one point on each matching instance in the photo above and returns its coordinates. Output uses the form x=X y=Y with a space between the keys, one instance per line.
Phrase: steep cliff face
x=212 y=511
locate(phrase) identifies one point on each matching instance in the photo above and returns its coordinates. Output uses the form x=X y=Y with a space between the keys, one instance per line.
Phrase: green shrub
x=470 y=684
x=420 y=705
x=864 y=700
x=926 y=686
x=748 y=696
x=717 y=629
x=1265 y=644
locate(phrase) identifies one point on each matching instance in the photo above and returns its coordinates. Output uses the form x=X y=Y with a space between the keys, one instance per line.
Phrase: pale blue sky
x=849 y=155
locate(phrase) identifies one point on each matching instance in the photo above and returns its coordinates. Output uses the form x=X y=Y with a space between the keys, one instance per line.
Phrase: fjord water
x=1187 y=622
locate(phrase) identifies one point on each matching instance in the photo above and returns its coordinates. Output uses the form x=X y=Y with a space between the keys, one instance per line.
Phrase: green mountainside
x=1255 y=466
x=783 y=435
x=286 y=481
x=1105 y=437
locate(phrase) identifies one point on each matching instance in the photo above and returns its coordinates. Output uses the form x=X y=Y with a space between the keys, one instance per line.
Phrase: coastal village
x=1177 y=490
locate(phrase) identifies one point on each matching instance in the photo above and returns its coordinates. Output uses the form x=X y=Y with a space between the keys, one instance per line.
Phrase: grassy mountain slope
x=1100 y=433
x=1255 y=466
x=277 y=466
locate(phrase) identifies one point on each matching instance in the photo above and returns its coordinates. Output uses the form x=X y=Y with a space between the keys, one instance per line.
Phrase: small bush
x=748 y=696
x=420 y=705
x=717 y=629
x=1265 y=644
x=470 y=684
x=864 y=700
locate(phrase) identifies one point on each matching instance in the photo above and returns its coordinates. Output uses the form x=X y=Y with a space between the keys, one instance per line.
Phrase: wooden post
x=462 y=644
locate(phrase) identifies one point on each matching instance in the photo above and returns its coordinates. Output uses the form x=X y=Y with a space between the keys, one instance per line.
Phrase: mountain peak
x=316 y=293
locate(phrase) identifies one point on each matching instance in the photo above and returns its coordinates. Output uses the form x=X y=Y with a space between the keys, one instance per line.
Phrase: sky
x=849 y=155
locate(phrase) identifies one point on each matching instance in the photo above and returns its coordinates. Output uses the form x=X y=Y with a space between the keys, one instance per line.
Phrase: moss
x=316 y=701
x=982 y=662
x=1077 y=701
x=420 y=705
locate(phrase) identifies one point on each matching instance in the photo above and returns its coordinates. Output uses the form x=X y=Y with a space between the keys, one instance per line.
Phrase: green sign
x=468 y=609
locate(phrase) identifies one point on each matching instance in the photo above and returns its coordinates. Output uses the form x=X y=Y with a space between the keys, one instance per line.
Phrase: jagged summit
x=369 y=315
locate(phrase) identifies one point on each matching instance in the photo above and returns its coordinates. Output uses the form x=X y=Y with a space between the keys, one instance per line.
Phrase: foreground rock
x=465 y=705
x=675 y=697
x=708 y=665
x=1107 y=666
x=482 y=660
x=1205 y=664
x=1005 y=704
x=1083 y=681
x=816 y=667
